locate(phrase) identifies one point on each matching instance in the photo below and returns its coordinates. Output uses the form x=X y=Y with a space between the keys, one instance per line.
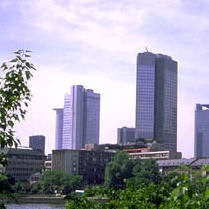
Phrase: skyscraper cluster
x=77 y=123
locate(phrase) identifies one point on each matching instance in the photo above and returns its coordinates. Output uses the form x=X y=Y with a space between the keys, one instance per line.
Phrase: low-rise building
x=138 y=150
x=157 y=155
x=22 y=162
x=87 y=163
x=166 y=166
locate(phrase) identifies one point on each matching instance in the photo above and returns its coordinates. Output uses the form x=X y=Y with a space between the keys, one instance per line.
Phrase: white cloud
x=105 y=37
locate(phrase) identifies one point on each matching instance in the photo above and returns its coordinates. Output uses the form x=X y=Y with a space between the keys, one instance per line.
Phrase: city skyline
x=95 y=43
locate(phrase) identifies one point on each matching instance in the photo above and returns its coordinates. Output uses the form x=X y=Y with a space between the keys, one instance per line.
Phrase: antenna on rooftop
x=146 y=49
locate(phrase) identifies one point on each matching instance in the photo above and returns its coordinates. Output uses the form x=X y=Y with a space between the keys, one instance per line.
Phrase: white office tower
x=81 y=116
x=59 y=128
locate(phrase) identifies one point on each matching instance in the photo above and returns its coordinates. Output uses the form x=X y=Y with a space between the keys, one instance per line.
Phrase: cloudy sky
x=95 y=43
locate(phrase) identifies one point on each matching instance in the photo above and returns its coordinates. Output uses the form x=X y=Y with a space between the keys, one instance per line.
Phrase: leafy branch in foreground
x=14 y=97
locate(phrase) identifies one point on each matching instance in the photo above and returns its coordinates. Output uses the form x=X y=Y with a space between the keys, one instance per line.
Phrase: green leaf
x=13 y=60
x=11 y=123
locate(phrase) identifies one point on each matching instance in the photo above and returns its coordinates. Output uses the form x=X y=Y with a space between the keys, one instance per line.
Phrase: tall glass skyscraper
x=201 y=146
x=156 y=99
x=81 y=115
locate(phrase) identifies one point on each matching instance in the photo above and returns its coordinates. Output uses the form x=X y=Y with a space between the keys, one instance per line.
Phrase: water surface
x=35 y=206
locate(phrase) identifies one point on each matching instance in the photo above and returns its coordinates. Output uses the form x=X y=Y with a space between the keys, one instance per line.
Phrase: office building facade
x=37 y=142
x=23 y=162
x=80 y=119
x=201 y=146
x=156 y=99
x=89 y=164
x=126 y=135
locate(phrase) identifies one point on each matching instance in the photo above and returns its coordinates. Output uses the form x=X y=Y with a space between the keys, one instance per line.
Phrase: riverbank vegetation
x=140 y=185
x=52 y=182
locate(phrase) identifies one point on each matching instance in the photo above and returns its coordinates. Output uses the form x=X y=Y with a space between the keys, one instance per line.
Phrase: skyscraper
x=126 y=135
x=201 y=146
x=91 y=117
x=59 y=128
x=37 y=142
x=156 y=99
x=80 y=123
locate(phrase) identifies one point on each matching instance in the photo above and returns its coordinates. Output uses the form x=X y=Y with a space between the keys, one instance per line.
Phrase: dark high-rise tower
x=126 y=135
x=37 y=142
x=201 y=146
x=156 y=99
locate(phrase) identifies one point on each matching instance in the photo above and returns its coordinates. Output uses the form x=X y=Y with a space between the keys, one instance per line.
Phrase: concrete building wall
x=89 y=164
x=65 y=160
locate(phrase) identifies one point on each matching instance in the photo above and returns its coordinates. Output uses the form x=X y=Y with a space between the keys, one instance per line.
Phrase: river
x=35 y=206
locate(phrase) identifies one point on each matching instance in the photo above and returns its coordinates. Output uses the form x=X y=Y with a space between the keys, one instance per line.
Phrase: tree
x=146 y=172
x=191 y=192
x=6 y=188
x=58 y=180
x=22 y=187
x=119 y=169
x=14 y=97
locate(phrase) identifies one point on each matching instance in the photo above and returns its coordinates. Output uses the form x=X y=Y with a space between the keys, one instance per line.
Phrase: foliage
x=146 y=172
x=22 y=187
x=81 y=203
x=14 y=97
x=121 y=170
x=117 y=170
x=6 y=188
x=186 y=196
x=60 y=181
x=187 y=189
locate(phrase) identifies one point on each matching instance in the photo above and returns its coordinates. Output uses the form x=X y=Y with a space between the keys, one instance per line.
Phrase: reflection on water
x=35 y=206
